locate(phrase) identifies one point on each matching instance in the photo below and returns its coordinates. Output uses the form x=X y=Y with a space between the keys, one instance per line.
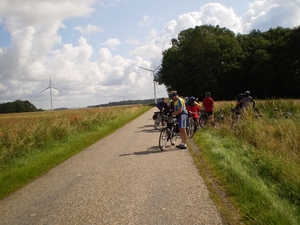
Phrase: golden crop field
x=21 y=133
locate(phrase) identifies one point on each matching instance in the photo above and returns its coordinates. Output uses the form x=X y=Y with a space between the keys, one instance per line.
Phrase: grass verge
x=250 y=180
x=26 y=168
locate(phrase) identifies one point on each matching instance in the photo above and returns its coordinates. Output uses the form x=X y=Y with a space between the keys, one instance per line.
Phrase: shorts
x=182 y=119
x=209 y=113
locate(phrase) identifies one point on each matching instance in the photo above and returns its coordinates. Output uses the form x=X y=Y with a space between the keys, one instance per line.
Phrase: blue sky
x=92 y=48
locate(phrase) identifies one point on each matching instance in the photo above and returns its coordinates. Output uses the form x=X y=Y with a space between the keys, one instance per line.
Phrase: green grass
x=258 y=167
x=24 y=169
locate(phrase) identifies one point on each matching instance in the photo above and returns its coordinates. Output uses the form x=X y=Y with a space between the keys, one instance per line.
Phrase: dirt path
x=122 y=179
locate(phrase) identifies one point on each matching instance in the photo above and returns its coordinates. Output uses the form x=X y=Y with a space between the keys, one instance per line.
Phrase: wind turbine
x=50 y=87
x=153 y=71
x=31 y=98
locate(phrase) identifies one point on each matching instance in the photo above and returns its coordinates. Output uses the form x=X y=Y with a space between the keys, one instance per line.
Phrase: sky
x=93 y=49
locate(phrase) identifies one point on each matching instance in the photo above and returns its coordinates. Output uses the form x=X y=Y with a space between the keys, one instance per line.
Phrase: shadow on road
x=152 y=150
x=147 y=129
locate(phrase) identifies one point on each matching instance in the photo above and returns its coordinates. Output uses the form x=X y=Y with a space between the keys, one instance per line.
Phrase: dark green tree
x=205 y=58
x=17 y=106
x=208 y=58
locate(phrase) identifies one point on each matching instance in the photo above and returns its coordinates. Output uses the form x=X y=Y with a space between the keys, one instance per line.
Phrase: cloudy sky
x=92 y=48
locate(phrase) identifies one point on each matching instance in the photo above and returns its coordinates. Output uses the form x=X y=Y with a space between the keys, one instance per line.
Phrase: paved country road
x=122 y=179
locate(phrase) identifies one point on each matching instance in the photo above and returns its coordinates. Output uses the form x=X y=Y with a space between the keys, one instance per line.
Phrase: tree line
x=211 y=58
x=17 y=106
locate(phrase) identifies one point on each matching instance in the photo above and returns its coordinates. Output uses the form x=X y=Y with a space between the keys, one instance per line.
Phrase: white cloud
x=266 y=14
x=109 y=3
x=42 y=13
x=132 y=41
x=88 y=29
x=146 y=20
x=112 y=43
x=213 y=14
x=88 y=74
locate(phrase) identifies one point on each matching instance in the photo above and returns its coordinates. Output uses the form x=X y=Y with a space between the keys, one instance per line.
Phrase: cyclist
x=163 y=105
x=247 y=100
x=181 y=113
x=208 y=104
x=194 y=109
x=239 y=104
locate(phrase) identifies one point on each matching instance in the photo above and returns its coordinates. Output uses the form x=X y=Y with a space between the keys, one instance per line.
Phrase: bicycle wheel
x=203 y=122
x=235 y=119
x=190 y=127
x=164 y=137
x=219 y=119
x=156 y=122
x=161 y=125
x=175 y=137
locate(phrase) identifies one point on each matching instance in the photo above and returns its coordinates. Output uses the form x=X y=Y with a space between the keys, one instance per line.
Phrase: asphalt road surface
x=122 y=179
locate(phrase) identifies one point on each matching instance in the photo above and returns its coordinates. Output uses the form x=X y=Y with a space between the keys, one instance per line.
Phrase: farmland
x=32 y=143
x=256 y=166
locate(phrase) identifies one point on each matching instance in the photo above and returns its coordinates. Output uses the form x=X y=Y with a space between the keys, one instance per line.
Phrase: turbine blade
x=145 y=68
x=57 y=89
x=45 y=89
x=156 y=68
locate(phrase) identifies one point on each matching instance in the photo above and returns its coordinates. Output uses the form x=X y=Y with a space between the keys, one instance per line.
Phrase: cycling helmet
x=192 y=98
x=172 y=93
x=247 y=93
x=207 y=94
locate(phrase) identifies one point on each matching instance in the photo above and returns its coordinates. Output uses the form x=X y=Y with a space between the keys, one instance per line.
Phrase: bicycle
x=191 y=126
x=203 y=118
x=159 y=122
x=280 y=114
x=235 y=117
x=219 y=118
x=169 y=134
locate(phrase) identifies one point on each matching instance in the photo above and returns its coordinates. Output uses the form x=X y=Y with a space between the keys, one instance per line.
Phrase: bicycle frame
x=168 y=134
x=235 y=117
x=159 y=122
x=191 y=126
x=203 y=118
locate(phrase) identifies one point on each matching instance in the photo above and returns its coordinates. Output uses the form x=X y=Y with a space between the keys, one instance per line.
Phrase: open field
x=32 y=143
x=257 y=165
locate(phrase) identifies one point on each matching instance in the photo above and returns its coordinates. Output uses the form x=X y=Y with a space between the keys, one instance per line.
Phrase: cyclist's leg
x=182 y=122
x=195 y=123
x=210 y=119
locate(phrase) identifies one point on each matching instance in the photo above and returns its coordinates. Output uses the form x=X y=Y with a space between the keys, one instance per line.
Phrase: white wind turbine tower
x=50 y=87
x=153 y=71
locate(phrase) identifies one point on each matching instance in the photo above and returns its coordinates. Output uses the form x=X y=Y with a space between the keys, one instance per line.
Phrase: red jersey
x=208 y=104
x=195 y=109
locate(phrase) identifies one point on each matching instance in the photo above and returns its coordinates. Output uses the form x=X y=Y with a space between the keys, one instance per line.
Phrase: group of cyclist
x=243 y=101
x=183 y=107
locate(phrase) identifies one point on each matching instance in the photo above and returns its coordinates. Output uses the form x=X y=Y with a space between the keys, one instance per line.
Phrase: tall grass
x=32 y=143
x=259 y=162
x=22 y=133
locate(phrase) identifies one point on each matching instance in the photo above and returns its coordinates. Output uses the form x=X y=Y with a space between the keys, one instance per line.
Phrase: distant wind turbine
x=153 y=71
x=31 y=98
x=50 y=87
